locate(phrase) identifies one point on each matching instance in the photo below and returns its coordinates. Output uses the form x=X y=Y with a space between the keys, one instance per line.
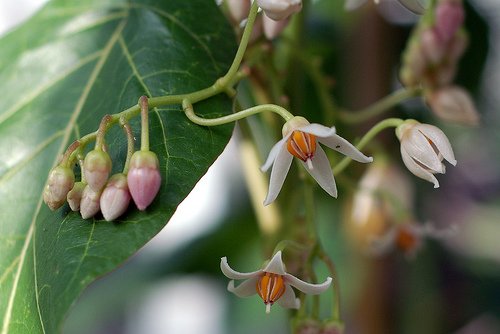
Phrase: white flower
x=408 y=238
x=415 y=6
x=423 y=148
x=280 y=9
x=300 y=140
x=272 y=284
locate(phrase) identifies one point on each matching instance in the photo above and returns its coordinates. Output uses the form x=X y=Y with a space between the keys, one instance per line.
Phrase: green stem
x=380 y=106
x=189 y=111
x=387 y=123
x=130 y=144
x=99 y=142
x=335 y=281
x=143 y=102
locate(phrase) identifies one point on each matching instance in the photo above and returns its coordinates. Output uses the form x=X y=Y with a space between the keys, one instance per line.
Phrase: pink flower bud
x=97 y=166
x=89 y=205
x=457 y=46
x=432 y=46
x=280 y=9
x=61 y=180
x=449 y=17
x=75 y=196
x=115 y=197
x=144 y=178
x=307 y=326
x=453 y=104
x=273 y=28
x=333 y=327
x=238 y=9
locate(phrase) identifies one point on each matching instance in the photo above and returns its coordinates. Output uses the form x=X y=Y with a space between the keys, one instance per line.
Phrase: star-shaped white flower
x=415 y=6
x=300 y=140
x=423 y=148
x=272 y=284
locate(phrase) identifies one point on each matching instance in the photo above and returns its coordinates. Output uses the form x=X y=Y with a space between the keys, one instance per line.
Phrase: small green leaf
x=71 y=64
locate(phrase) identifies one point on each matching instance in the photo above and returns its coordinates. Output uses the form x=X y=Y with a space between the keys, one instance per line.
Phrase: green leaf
x=72 y=63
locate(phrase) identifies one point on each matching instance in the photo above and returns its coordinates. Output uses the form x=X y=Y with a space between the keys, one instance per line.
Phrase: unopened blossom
x=144 y=179
x=423 y=148
x=61 y=180
x=272 y=283
x=408 y=238
x=96 y=167
x=412 y=5
x=239 y=9
x=75 y=195
x=115 y=197
x=453 y=104
x=90 y=204
x=300 y=139
x=273 y=28
x=280 y=9
x=450 y=16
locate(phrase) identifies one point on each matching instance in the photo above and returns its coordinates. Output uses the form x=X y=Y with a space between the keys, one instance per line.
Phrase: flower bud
x=144 y=178
x=273 y=28
x=307 y=326
x=238 y=9
x=75 y=195
x=97 y=166
x=89 y=206
x=449 y=17
x=280 y=9
x=432 y=46
x=61 y=180
x=453 y=104
x=115 y=197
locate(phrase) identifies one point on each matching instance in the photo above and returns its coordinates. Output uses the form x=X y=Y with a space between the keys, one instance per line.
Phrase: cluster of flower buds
x=431 y=60
x=272 y=22
x=97 y=191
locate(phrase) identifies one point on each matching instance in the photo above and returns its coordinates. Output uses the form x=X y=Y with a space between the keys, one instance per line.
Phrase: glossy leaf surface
x=60 y=72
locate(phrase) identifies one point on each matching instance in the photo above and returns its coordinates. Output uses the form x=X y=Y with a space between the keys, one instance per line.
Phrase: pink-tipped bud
x=432 y=46
x=97 y=166
x=333 y=327
x=449 y=17
x=115 y=197
x=273 y=28
x=453 y=104
x=75 y=196
x=89 y=206
x=307 y=326
x=238 y=9
x=61 y=180
x=144 y=178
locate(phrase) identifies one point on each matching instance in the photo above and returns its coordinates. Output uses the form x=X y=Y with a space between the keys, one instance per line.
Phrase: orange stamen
x=270 y=287
x=302 y=145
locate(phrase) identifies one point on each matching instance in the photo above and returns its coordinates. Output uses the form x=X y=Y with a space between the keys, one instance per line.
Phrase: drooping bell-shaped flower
x=272 y=283
x=300 y=140
x=280 y=9
x=90 y=204
x=61 y=180
x=423 y=148
x=75 y=195
x=115 y=197
x=144 y=179
x=97 y=166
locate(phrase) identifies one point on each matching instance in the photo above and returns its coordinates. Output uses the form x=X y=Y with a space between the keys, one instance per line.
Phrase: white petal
x=413 y=5
x=339 y=144
x=353 y=4
x=275 y=266
x=273 y=153
x=233 y=274
x=418 y=147
x=318 y=130
x=440 y=140
x=309 y=288
x=322 y=172
x=245 y=289
x=417 y=169
x=288 y=300
x=278 y=174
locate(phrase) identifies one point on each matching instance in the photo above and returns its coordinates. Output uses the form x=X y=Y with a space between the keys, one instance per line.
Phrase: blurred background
x=174 y=285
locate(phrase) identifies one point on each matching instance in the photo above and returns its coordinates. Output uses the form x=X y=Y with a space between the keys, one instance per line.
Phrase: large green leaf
x=60 y=73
